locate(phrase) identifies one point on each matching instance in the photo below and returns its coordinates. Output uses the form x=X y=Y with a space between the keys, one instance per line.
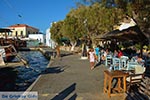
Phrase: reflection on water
x=21 y=76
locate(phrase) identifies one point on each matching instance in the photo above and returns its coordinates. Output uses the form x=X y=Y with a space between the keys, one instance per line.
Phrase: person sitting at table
x=140 y=60
x=104 y=53
x=120 y=53
x=115 y=54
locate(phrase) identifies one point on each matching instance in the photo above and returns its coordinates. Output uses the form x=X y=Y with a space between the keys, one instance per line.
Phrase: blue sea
x=21 y=77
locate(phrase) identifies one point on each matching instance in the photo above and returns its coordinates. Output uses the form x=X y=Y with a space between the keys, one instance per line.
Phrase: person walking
x=57 y=51
x=92 y=58
x=97 y=52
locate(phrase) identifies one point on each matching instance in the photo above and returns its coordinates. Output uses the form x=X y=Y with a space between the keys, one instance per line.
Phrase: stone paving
x=70 y=78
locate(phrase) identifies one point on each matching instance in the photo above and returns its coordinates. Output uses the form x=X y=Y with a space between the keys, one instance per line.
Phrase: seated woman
x=120 y=53
x=103 y=55
x=140 y=60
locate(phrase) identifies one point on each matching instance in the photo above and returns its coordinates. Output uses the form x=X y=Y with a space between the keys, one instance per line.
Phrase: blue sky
x=36 y=13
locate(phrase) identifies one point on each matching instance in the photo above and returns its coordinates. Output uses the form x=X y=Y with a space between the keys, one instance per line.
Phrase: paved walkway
x=70 y=78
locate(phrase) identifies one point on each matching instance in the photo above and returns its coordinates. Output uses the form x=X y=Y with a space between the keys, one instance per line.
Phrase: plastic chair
x=131 y=65
x=116 y=63
x=108 y=60
x=123 y=61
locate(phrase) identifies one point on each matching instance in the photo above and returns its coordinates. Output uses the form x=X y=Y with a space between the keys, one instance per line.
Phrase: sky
x=36 y=13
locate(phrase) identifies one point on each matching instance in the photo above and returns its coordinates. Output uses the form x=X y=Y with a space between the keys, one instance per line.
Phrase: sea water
x=21 y=77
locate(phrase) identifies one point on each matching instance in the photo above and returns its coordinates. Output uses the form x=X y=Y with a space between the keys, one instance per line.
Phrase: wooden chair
x=137 y=76
x=141 y=92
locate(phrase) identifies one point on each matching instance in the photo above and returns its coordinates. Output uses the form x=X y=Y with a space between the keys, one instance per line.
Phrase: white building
x=49 y=41
x=22 y=30
x=39 y=37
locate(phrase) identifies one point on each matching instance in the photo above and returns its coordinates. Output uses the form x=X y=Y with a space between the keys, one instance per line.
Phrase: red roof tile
x=22 y=25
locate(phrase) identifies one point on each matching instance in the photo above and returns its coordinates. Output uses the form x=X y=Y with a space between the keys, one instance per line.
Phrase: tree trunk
x=73 y=44
x=84 y=50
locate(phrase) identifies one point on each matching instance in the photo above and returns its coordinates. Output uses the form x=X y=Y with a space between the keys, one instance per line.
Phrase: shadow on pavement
x=68 y=92
x=98 y=64
x=55 y=70
x=65 y=54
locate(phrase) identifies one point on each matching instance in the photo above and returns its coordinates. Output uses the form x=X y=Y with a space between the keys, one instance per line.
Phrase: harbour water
x=21 y=77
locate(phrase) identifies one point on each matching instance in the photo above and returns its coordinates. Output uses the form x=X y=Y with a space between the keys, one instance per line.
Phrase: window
x=21 y=33
x=16 y=33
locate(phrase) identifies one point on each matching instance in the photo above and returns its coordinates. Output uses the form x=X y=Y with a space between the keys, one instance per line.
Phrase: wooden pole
x=141 y=49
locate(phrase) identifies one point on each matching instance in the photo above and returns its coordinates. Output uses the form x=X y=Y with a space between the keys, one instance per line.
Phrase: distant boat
x=5 y=40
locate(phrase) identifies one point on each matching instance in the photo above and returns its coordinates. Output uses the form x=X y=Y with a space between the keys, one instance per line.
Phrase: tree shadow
x=66 y=54
x=134 y=93
x=97 y=64
x=68 y=92
x=55 y=70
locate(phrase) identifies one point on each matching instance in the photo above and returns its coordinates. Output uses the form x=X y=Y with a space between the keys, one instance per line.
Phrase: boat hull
x=8 y=53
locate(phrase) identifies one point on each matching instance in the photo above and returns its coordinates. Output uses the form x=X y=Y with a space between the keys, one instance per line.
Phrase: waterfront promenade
x=70 y=78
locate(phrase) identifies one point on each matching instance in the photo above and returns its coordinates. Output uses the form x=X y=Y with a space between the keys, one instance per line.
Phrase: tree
x=56 y=34
x=91 y=20
x=94 y=17
x=70 y=31
x=100 y=19
x=112 y=11
x=73 y=27
x=139 y=10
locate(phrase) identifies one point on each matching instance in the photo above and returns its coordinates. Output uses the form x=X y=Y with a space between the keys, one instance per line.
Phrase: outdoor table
x=120 y=76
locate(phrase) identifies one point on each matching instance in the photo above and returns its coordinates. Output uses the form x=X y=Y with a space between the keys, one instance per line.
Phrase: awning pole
x=141 y=49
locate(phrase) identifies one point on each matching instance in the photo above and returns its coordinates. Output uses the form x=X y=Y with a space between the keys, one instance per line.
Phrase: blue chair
x=116 y=63
x=131 y=65
x=108 y=60
x=123 y=61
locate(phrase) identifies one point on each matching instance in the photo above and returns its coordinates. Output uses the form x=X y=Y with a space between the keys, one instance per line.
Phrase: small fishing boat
x=8 y=53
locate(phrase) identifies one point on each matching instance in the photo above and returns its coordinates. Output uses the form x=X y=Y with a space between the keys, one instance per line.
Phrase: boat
x=6 y=39
x=8 y=53
x=9 y=49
